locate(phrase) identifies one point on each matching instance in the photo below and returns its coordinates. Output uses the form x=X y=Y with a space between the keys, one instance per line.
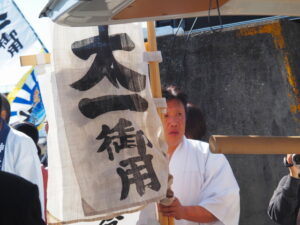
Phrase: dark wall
x=245 y=80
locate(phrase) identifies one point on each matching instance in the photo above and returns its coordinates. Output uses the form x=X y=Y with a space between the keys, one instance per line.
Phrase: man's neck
x=171 y=150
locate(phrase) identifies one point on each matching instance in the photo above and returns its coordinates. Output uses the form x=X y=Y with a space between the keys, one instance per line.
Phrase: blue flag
x=26 y=101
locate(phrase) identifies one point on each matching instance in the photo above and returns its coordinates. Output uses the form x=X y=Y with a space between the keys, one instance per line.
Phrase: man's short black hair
x=195 y=127
x=5 y=106
x=173 y=92
x=29 y=129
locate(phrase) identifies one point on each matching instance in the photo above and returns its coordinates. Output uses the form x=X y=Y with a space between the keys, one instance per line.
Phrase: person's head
x=175 y=117
x=4 y=108
x=195 y=124
x=31 y=131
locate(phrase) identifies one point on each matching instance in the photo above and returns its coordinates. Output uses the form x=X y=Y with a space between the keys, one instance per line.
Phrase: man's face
x=174 y=123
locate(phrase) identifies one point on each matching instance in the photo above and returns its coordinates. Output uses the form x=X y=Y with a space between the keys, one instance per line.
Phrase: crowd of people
x=204 y=186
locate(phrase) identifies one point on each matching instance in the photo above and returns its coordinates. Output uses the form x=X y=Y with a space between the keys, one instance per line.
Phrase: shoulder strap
x=3 y=137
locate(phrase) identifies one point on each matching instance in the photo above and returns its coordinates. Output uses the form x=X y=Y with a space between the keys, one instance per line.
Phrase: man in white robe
x=19 y=153
x=204 y=186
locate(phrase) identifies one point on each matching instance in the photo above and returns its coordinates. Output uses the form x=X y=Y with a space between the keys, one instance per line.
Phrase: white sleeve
x=27 y=164
x=220 y=193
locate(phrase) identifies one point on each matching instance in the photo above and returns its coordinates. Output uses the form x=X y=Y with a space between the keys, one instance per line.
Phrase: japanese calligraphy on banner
x=15 y=33
x=16 y=38
x=109 y=134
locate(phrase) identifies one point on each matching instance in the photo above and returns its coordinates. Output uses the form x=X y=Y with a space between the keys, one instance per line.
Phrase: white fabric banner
x=16 y=39
x=16 y=34
x=106 y=147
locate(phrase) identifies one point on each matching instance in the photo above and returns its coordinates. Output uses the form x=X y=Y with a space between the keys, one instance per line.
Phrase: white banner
x=16 y=34
x=109 y=158
x=16 y=39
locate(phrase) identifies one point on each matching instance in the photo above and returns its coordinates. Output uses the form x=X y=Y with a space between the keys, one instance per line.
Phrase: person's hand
x=174 y=210
x=294 y=172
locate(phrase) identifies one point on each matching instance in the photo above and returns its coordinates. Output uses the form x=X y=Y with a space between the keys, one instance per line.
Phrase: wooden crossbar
x=33 y=60
x=254 y=144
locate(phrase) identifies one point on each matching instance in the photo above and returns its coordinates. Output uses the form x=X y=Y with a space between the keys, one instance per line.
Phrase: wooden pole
x=156 y=92
x=154 y=66
x=33 y=60
x=254 y=144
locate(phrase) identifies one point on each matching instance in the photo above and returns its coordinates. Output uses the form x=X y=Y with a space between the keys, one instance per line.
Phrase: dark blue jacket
x=19 y=201
x=284 y=204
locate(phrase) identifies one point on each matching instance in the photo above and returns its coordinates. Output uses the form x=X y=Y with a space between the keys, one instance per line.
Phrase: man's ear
x=3 y=114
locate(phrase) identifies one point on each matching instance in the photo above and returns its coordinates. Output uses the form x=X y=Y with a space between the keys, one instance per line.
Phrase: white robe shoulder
x=205 y=179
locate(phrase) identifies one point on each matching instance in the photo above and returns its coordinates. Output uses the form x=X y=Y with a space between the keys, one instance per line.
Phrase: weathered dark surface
x=241 y=84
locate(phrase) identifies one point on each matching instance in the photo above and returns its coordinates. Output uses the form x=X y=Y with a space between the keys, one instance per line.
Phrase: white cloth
x=148 y=215
x=205 y=179
x=21 y=158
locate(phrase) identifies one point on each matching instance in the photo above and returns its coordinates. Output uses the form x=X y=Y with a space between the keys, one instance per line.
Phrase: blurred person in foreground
x=205 y=189
x=18 y=153
x=20 y=204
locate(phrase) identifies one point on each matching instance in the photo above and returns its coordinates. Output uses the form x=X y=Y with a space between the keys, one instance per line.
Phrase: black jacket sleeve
x=20 y=204
x=284 y=204
x=34 y=214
